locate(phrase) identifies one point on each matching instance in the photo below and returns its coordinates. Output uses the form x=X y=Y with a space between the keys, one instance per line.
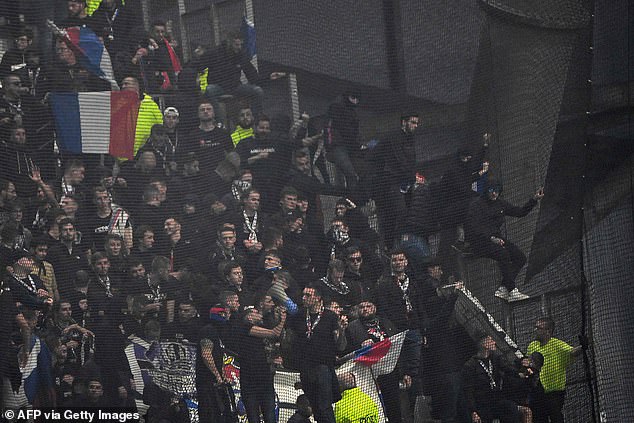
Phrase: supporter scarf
x=341 y=289
x=252 y=227
x=176 y=66
x=310 y=325
x=404 y=285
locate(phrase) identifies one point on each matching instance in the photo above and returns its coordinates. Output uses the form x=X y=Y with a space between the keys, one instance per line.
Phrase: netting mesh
x=509 y=96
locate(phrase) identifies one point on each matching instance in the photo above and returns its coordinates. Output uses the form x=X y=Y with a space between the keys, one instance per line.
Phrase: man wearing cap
x=483 y=232
x=367 y=330
x=448 y=344
x=394 y=160
x=171 y=119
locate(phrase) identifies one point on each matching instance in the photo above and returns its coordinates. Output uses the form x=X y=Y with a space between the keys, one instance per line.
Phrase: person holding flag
x=368 y=330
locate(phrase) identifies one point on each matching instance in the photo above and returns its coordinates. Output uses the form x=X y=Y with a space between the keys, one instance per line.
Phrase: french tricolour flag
x=93 y=55
x=382 y=356
x=96 y=122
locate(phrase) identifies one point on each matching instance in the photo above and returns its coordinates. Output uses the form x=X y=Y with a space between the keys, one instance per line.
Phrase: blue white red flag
x=381 y=356
x=101 y=122
x=91 y=53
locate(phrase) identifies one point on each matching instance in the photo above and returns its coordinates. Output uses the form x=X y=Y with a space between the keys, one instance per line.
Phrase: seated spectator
x=482 y=379
x=225 y=65
x=483 y=233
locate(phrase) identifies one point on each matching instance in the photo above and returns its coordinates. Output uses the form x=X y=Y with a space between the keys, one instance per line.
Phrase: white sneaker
x=516 y=295
x=502 y=292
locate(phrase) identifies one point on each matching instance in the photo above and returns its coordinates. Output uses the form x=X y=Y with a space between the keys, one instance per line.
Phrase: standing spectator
x=22 y=59
x=67 y=257
x=160 y=63
x=448 y=345
x=149 y=112
x=65 y=73
x=103 y=220
x=266 y=157
x=367 y=330
x=42 y=268
x=557 y=357
x=394 y=161
x=335 y=288
x=482 y=377
x=214 y=404
x=342 y=137
x=317 y=337
x=27 y=288
x=354 y=405
x=398 y=295
x=209 y=141
x=483 y=233
x=256 y=376
x=77 y=15
x=225 y=65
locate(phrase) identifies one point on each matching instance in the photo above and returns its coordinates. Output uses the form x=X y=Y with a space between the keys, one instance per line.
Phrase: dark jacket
x=486 y=217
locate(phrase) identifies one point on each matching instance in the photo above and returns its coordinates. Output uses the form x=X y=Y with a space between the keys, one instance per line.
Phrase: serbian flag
x=101 y=122
x=381 y=356
x=89 y=50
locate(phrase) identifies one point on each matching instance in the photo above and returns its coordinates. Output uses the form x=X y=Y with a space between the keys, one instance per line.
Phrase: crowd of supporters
x=216 y=234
